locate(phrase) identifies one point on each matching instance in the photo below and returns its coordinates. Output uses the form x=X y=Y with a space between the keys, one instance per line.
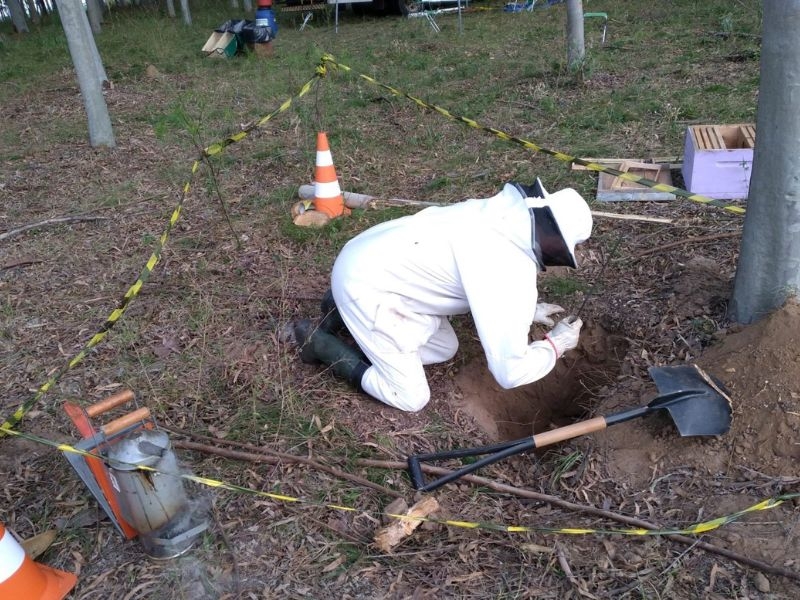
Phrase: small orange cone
x=21 y=577
x=328 y=196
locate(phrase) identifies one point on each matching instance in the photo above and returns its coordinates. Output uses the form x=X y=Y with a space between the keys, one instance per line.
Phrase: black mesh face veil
x=547 y=242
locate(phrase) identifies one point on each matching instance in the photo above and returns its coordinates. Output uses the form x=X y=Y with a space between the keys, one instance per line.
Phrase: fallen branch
x=20 y=263
x=46 y=223
x=620 y=217
x=353 y=200
x=590 y=510
x=272 y=457
x=692 y=240
x=265 y=455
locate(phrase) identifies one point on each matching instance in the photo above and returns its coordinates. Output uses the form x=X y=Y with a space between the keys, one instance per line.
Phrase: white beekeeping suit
x=396 y=283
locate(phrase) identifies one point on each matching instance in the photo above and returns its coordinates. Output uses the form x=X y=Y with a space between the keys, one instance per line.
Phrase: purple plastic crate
x=718 y=159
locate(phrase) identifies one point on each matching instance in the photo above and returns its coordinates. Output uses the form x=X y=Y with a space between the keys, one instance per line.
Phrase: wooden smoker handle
x=106 y=404
x=117 y=425
x=570 y=431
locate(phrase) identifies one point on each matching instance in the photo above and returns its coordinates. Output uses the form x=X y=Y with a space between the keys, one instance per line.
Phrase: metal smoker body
x=154 y=502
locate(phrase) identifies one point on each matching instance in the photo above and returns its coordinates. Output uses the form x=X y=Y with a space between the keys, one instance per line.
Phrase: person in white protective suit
x=395 y=285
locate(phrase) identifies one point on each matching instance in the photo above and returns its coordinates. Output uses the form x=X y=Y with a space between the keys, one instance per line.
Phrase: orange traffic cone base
x=328 y=196
x=21 y=577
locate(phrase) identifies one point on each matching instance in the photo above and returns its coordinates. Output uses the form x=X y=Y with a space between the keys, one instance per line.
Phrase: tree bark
x=171 y=8
x=83 y=50
x=769 y=262
x=186 y=13
x=18 y=16
x=576 y=49
x=88 y=39
x=95 y=14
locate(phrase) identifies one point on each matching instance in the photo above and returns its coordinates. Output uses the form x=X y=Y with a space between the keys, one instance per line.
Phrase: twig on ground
x=692 y=240
x=20 y=263
x=259 y=454
x=621 y=217
x=46 y=223
x=590 y=510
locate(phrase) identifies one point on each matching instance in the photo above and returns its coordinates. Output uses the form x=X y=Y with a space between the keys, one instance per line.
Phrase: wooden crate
x=718 y=160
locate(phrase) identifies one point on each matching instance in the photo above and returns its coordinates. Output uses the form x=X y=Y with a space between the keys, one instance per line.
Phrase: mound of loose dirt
x=760 y=366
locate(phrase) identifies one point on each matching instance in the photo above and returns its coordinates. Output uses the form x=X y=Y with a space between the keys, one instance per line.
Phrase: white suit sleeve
x=499 y=281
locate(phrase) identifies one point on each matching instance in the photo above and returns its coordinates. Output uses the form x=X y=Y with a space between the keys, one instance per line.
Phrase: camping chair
x=599 y=15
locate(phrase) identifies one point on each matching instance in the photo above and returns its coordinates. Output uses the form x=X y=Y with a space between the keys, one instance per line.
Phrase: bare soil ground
x=199 y=345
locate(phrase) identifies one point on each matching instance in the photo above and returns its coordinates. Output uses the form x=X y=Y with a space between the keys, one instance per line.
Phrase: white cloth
x=396 y=283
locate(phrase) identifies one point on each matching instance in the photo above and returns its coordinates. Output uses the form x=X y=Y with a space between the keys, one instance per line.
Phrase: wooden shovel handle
x=117 y=425
x=106 y=404
x=570 y=431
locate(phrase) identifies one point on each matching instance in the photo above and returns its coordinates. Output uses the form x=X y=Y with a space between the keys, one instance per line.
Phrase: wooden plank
x=666 y=162
x=613 y=189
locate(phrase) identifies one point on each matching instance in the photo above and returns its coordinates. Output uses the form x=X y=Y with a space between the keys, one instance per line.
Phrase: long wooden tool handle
x=106 y=404
x=570 y=431
x=117 y=425
x=351 y=199
x=355 y=200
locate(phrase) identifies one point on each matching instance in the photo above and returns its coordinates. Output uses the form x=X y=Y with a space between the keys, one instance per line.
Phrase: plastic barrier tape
x=155 y=257
x=695 y=529
x=661 y=187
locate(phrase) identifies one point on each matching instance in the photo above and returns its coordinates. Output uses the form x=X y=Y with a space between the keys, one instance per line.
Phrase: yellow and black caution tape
x=217 y=147
x=592 y=166
x=695 y=529
x=154 y=259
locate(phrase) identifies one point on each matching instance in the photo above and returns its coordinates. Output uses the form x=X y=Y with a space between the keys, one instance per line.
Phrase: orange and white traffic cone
x=328 y=196
x=22 y=578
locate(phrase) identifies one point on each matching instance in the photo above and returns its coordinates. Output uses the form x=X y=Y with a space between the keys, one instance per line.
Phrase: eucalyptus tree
x=768 y=272
x=576 y=49
x=85 y=58
x=17 y=16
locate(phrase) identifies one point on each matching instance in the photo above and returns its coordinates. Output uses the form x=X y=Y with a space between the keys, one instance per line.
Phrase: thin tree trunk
x=171 y=8
x=247 y=5
x=88 y=39
x=769 y=262
x=186 y=13
x=18 y=16
x=576 y=50
x=83 y=50
x=95 y=14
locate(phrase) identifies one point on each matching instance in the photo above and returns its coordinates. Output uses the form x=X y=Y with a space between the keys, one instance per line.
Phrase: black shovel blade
x=697 y=406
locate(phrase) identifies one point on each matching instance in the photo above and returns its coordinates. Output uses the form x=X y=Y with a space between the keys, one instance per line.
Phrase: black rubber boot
x=317 y=346
x=331 y=319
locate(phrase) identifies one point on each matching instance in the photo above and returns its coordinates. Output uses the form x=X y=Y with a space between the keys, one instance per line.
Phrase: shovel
x=698 y=405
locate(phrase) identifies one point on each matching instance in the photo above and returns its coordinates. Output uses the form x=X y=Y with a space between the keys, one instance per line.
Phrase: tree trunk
x=18 y=16
x=95 y=13
x=171 y=8
x=186 y=13
x=247 y=5
x=576 y=50
x=88 y=40
x=769 y=262
x=235 y=4
x=83 y=51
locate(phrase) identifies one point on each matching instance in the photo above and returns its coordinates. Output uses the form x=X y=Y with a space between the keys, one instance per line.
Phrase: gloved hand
x=564 y=336
x=544 y=311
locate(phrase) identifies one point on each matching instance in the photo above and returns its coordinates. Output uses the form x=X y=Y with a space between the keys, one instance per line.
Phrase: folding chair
x=599 y=15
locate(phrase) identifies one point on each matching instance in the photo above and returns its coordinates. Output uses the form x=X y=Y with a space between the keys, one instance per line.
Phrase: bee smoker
x=153 y=500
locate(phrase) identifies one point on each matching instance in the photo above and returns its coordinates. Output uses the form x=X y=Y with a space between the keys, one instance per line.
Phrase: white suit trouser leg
x=398 y=343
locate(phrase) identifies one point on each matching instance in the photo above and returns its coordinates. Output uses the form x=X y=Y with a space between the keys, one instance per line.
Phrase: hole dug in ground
x=564 y=396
